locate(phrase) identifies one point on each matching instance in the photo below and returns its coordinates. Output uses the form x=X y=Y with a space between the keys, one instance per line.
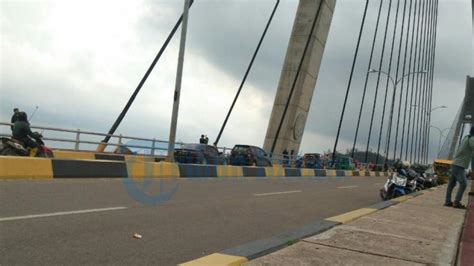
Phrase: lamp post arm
x=390 y=77
x=408 y=74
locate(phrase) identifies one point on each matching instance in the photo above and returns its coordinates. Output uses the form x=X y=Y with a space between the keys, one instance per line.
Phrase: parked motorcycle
x=13 y=147
x=395 y=186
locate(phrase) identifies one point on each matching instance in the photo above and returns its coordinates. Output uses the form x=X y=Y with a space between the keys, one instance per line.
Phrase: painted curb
x=261 y=247
x=13 y=167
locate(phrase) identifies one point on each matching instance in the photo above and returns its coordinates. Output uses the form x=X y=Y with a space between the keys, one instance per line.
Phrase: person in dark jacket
x=14 y=116
x=21 y=131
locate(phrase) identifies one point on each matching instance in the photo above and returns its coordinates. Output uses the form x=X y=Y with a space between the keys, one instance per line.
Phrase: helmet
x=22 y=116
x=406 y=164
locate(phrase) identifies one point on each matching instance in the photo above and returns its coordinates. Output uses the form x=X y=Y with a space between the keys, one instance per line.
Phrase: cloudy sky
x=79 y=62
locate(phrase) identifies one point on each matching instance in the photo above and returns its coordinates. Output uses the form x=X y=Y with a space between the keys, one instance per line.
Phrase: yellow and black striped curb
x=249 y=251
x=88 y=155
x=13 y=167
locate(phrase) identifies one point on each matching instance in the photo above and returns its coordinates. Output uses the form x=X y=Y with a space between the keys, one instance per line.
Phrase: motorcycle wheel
x=397 y=194
x=383 y=194
x=9 y=152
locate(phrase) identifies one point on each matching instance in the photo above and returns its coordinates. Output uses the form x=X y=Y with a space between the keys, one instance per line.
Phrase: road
x=92 y=221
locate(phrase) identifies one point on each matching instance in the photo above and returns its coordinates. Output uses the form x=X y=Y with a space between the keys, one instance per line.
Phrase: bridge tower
x=308 y=63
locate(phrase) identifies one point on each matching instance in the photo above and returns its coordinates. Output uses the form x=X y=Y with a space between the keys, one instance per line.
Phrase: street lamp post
x=428 y=112
x=395 y=82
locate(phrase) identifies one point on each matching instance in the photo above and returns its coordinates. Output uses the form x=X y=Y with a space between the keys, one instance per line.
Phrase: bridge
x=110 y=198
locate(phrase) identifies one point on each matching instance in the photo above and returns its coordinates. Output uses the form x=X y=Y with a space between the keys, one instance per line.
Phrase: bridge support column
x=291 y=133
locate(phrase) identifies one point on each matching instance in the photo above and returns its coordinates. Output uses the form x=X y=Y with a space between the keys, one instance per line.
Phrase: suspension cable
x=387 y=147
x=378 y=81
x=410 y=139
x=246 y=73
x=366 y=80
x=350 y=81
x=403 y=72
x=425 y=91
x=401 y=90
x=296 y=76
x=408 y=89
x=425 y=88
x=416 y=123
x=387 y=84
x=142 y=81
x=433 y=56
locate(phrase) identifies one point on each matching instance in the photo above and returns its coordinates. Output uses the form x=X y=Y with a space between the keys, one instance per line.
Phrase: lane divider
x=14 y=167
x=277 y=193
x=14 y=218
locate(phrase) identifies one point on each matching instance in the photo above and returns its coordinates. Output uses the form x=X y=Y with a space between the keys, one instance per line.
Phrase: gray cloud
x=224 y=35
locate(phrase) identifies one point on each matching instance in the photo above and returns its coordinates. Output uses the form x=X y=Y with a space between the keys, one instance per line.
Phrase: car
x=199 y=154
x=312 y=160
x=249 y=155
x=344 y=163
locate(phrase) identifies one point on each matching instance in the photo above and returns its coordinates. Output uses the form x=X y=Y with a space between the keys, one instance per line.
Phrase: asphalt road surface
x=92 y=221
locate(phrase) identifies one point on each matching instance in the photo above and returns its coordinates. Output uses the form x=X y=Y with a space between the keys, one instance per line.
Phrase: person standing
x=16 y=112
x=461 y=161
x=202 y=140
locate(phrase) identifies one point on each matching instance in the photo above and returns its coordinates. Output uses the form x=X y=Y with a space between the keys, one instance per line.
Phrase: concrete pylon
x=293 y=126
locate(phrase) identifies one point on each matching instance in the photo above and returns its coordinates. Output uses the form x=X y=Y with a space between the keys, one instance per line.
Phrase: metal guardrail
x=80 y=138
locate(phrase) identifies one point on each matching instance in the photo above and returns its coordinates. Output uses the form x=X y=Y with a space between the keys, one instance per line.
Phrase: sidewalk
x=419 y=231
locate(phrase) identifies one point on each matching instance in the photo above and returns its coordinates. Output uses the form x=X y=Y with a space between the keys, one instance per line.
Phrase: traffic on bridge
x=310 y=132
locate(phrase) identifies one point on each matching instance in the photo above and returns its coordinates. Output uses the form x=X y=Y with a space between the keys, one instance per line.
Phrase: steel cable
x=387 y=84
x=350 y=81
x=246 y=73
x=378 y=81
x=366 y=80
x=142 y=81
x=410 y=140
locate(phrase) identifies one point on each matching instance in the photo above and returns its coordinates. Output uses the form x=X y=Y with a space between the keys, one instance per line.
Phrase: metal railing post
x=78 y=139
x=153 y=147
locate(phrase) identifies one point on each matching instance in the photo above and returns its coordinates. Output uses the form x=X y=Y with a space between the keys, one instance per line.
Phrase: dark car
x=249 y=155
x=199 y=154
x=312 y=160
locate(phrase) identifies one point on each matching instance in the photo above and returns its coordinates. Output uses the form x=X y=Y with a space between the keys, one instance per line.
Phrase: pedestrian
x=16 y=112
x=286 y=161
x=461 y=161
x=202 y=140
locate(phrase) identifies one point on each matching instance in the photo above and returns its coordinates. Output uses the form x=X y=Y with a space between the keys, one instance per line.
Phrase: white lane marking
x=59 y=214
x=277 y=193
x=347 y=187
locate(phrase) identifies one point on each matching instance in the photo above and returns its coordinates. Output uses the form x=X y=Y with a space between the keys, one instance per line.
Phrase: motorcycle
x=395 y=186
x=13 y=147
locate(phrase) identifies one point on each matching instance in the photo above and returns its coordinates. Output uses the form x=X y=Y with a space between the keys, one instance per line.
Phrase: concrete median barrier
x=13 y=167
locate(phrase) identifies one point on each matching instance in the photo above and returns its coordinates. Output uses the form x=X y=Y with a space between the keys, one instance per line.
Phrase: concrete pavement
x=420 y=231
x=204 y=216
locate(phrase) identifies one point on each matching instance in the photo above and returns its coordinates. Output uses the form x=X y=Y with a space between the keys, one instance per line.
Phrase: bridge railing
x=81 y=140
x=76 y=139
